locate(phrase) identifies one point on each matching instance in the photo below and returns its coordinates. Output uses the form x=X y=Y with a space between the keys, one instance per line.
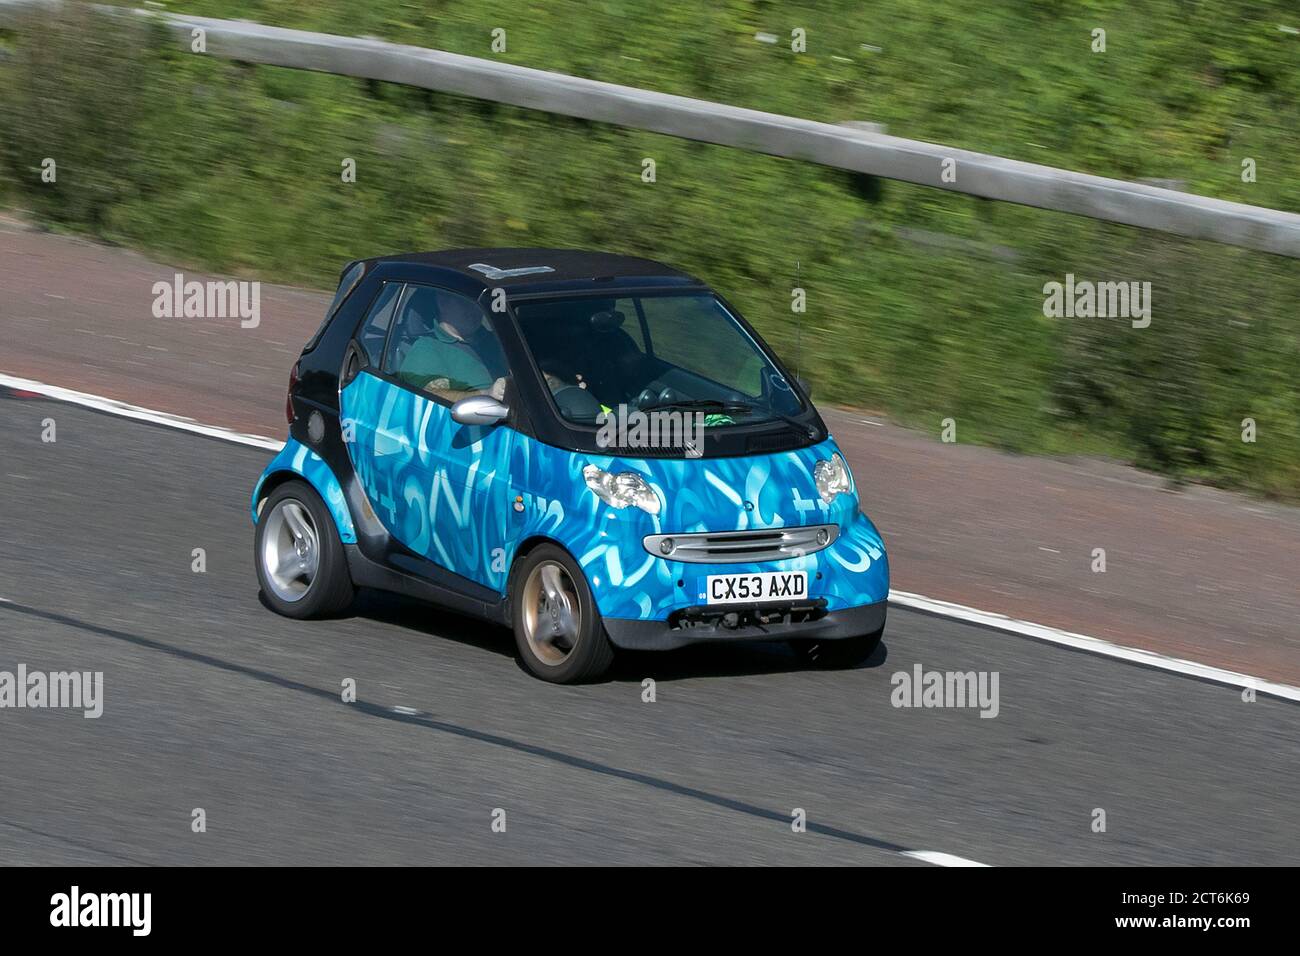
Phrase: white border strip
x=916 y=602
x=114 y=407
x=1093 y=645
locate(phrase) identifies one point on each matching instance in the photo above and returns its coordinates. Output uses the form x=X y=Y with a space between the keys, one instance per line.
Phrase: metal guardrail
x=891 y=157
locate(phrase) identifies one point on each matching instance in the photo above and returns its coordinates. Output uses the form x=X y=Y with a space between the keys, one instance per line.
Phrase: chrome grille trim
x=742 y=547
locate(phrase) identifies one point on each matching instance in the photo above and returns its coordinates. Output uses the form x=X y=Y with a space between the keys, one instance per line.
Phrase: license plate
x=759 y=586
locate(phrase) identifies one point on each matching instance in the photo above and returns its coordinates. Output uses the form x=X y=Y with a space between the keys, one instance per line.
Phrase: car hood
x=735 y=494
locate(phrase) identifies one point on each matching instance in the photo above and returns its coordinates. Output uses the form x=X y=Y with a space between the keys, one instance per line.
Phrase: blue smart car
x=594 y=450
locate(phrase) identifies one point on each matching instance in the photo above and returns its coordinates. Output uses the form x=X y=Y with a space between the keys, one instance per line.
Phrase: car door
x=440 y=488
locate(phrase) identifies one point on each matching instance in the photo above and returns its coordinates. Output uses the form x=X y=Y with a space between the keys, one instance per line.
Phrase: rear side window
x=375 y=330
x=347 y=283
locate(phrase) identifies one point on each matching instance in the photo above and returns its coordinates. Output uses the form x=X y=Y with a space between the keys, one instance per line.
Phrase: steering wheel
x=577 y=403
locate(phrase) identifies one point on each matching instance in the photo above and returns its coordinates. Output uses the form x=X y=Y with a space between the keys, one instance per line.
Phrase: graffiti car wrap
x=459 y=511
x=298 y=459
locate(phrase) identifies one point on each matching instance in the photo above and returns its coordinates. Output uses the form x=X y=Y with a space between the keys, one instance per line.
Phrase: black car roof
x=527 y=271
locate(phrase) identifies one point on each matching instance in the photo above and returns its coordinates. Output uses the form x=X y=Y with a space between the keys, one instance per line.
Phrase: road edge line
x=113 y=407
x=1091 y=645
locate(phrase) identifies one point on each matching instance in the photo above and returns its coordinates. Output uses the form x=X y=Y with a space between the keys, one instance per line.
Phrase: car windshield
x=639 y=353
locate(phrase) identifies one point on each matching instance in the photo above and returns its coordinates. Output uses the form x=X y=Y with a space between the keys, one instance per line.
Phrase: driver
x=454 y=355
x=559 y=375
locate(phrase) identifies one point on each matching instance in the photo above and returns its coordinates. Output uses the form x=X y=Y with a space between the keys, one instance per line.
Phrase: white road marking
x=405 y=711
x=114 y=407
x=940 y=859
x=918 y=602
x=1093 y=645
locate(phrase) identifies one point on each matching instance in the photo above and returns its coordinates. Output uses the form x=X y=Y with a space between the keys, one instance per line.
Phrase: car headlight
x=831 y=477
x=622 y=489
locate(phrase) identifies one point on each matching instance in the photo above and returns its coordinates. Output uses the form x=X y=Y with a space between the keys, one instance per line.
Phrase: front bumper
x=698 y=625
x=629 y=583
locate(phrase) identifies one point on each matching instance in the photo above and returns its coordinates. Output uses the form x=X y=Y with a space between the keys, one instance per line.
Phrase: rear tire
x=300 y=561
x=839 y=654
x=557 y=625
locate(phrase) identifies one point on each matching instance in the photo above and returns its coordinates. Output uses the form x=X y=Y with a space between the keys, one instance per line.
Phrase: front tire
x=557 y=625
x=299 y=557
x=839 y=654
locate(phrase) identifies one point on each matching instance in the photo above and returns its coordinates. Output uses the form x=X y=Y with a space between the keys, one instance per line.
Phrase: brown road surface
x=1196 y=573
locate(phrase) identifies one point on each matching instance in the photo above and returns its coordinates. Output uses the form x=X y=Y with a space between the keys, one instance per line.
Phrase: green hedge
x=923 y=304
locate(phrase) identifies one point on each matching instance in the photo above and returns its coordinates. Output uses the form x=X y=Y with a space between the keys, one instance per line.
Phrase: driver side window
x=442 y=344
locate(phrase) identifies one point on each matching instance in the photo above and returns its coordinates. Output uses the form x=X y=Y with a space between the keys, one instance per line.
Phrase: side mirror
x=804 y=384
x=479 y=410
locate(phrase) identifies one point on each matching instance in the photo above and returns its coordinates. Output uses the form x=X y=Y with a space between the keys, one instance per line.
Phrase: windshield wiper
x=724 y=407
x=699 y=403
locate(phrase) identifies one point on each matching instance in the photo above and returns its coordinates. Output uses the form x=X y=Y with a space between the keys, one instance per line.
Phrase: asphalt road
x=211 y=701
